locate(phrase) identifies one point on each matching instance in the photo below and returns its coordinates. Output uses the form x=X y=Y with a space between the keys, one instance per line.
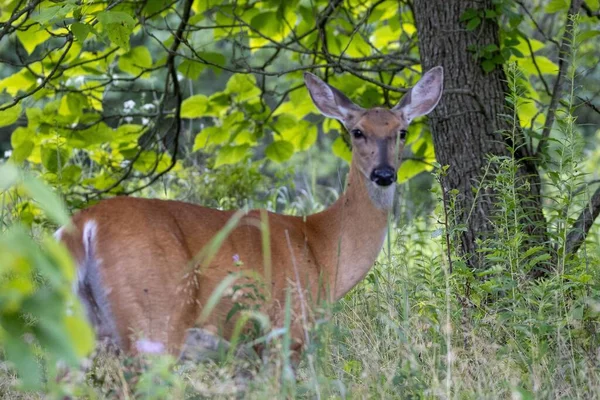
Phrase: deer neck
x=351 y=232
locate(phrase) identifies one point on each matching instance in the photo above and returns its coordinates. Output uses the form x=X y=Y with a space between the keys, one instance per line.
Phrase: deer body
x=138 y=277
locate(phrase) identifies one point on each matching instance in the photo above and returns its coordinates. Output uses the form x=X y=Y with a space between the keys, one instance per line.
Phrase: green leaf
x=409 y=28
x=546 y=66
x=81 y=31
x=194 y=107
x=20 y=154
x=473 y=23
x=302 y=134
x=191 y=69
x=469 y=13
x=115 y=17
x=22 y=144
x=117 y=26
x=10 y=115
x=279 y=151
x=71 y=174
x=341 y=149
x=21 y=356
x=81 y=335
x=135 y=61
x=231 y=154
x=52 y=337
x=217 y=59
x=588 y=35
x=200 y=6
x=73 y=104
x=15 y=83
x=272 y=24
x=53 y=158
x=32 y=37
x=488 y=65
x=410 y=168
x=299 y=105
x=384 y=36
x=47 y=200
x=47 y=15
x=210 y=136
x=242 y=86
x=555 y=6
x=594 y=5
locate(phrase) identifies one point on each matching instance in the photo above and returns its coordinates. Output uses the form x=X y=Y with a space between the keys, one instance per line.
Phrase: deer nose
x=383 y=176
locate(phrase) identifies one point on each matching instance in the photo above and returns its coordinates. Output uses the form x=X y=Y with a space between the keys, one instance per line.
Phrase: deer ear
x=330 y=101
x=424 y=96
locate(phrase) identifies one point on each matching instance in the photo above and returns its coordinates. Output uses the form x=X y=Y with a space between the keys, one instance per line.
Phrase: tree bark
x=467 y=122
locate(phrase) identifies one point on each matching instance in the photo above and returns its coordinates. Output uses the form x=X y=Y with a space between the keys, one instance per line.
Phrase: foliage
x=107 y=97
x=38 y=314
x=101 y=71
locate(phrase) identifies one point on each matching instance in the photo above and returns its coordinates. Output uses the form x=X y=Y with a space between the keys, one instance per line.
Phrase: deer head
x=378 y=134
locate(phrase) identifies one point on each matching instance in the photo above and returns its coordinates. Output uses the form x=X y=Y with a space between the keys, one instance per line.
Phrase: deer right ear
x=330 y=101
x=424 y=96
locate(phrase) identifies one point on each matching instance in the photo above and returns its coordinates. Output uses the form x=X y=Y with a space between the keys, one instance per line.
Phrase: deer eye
x=402 y=134
x=358 y=134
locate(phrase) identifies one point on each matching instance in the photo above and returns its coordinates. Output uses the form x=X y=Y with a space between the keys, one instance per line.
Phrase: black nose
x=383 y=176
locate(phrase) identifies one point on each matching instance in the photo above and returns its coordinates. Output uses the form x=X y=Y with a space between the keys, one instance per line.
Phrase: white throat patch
x=382 y=197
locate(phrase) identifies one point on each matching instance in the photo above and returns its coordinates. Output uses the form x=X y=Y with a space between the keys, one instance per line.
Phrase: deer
x=142 y=275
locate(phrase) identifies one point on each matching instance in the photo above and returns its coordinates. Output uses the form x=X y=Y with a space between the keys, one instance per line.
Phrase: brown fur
x=144 y=255
x=144 y=248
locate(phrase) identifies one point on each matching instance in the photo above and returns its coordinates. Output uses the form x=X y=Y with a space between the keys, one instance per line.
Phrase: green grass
x=407 y=331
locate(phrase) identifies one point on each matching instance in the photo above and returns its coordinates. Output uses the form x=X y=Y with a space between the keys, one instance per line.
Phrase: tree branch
x=53 y=72
x=6 y=27
x=566 y=43
x=582 y=226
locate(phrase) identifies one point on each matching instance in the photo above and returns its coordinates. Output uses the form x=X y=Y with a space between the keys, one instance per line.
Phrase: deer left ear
x=424 y=96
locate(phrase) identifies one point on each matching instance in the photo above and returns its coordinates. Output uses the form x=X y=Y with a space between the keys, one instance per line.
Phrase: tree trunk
x=467 y=121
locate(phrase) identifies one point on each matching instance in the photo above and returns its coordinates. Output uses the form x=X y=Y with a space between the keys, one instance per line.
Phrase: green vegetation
x=203 y=101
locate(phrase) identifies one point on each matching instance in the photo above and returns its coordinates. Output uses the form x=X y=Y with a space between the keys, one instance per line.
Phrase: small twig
x=589 y=103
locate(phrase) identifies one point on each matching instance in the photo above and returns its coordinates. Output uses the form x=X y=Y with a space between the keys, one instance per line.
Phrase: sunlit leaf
x=54 y=158
x=231 y=154
x=243 y=86
x=22 y=144
x=555 y=6
x=409 y=29
x=341 y=149
x=279 y=151
x=47 y=15
x=47 y=200
x=194 y=107
x=117 y=26
x=136 y=60
x=191 y=69
x=17 y=82
x=80 y=30
x=210 y=136
x=81 y=335
x=32 y=37
x=10 y=115
x=410 y=168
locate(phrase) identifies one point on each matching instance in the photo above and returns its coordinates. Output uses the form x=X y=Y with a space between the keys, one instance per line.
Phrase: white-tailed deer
x=142 y=275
